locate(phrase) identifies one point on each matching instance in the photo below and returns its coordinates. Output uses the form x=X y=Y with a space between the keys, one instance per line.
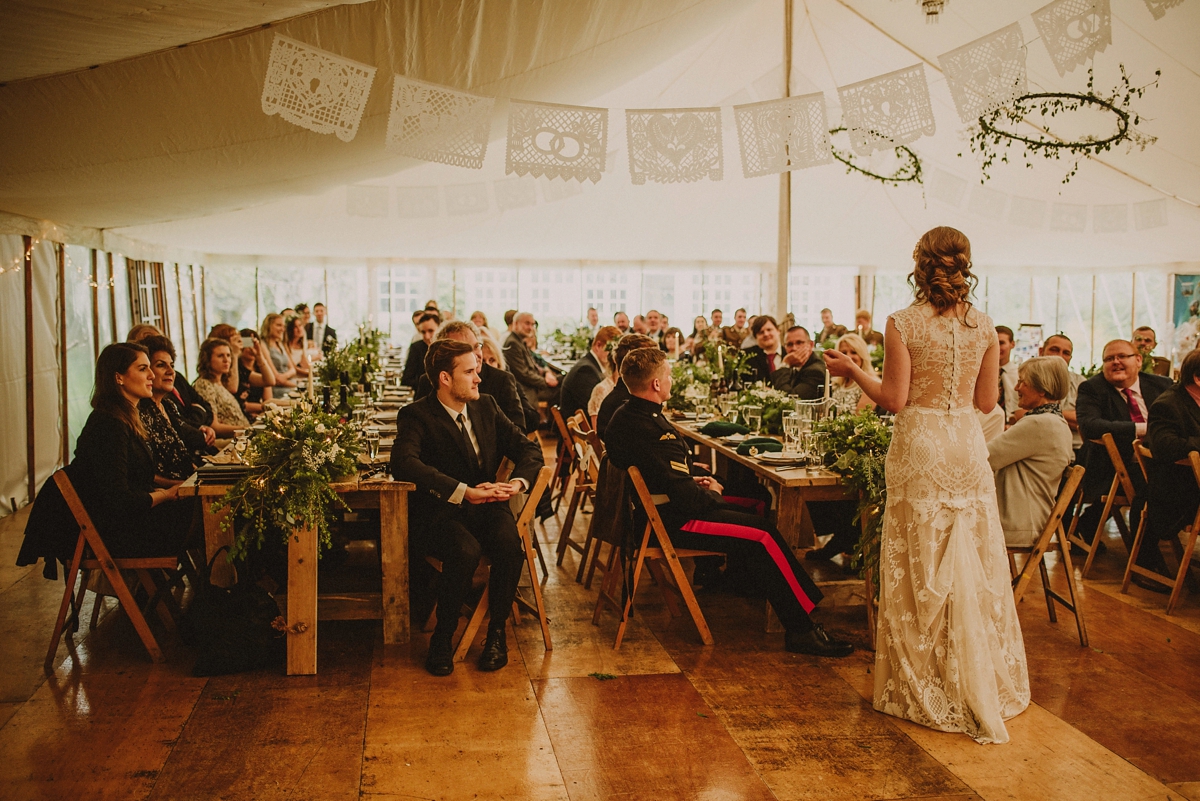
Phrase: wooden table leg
x=302 y=603
x=223 y=574
x=393 y=551
x=792 y=518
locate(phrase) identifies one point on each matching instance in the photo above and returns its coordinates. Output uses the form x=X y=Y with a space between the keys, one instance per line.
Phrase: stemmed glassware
x=753 y=417
x=371 y=436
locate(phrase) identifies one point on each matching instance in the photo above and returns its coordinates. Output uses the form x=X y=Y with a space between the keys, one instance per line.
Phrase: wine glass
x=753 y=418
x=372 y=440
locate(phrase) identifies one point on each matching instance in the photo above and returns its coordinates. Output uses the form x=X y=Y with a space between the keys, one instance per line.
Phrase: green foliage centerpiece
x=773 y=403
x=293 y=461
x=689 y=383
x=352 y=358
x=857 y=445
x=575 y=342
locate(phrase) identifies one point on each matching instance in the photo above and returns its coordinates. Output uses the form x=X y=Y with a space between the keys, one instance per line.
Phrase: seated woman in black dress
x=176 y=445
x=113 y=471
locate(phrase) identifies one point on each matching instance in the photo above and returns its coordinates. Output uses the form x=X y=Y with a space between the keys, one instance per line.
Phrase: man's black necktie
x=1001 y=400
x=462 y=428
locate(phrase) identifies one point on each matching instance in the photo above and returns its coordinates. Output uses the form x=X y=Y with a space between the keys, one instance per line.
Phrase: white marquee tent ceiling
x=173 y=148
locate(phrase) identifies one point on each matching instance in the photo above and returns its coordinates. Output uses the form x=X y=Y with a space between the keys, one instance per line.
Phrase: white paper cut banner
x=1074 y=31
x=1150 y=214
x=885 y=112
x=674 y=145
x=947 y=188
x=554 y=141
x=1027 y=212
x=466 y=199
x=986 y=73
x=414 y=202
x=515 y=193
x=775 y=136
x=1068 y=217
x=314 y=89
x=365 y=200
x=436 y=123
x=1110 y=219
x=1159 y=8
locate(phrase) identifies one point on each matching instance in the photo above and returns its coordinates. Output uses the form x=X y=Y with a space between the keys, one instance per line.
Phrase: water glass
x=753 y=417
x=791 y=432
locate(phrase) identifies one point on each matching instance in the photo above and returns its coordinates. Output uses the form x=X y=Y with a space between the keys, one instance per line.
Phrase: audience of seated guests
x=495 y=382
x=177 y=446
x=694 y=344
x=215 y=362
x=765 y=357
x=194 y=409
x=1172 y=433
x=734 y=334
x=114 y=470
x=673 y=344
x=621 y=321
x=1117 y=402
x=617 y=396
x=272 y=334
x=481 y=322
x=586 y=373
x=830 y=329
x=297 y=346
x=414 y=363
x=848 y=396
x=640 y=326
x=1030 y=457
x=1061 y=346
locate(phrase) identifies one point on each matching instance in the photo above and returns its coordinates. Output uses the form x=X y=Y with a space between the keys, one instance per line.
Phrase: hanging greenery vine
x=990 y=138
x=909 y=172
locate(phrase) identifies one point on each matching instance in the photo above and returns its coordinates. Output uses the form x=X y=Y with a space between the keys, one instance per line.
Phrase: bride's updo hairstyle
x=942 y=275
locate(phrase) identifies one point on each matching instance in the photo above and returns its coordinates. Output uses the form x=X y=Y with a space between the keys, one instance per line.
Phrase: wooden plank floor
x=740 y=720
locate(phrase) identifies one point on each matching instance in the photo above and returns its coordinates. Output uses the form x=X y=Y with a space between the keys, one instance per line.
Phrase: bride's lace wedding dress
x=949 y=649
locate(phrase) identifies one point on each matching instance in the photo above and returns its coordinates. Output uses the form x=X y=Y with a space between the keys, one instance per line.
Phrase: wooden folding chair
x=1121 y=495
x=565 y=459
x=539 y=606
x=673 y=578
x=1036 y=553
x=1189 y=535
x=583 y=487
x=597 y=456
x=92 y=554
x=502 y=474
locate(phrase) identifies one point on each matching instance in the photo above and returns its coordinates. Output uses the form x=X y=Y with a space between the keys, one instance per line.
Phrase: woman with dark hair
x=216 y=360
x=1172 y=432
x=949 y=649
x=297 y=346
x=175 y=445
x=113 y=470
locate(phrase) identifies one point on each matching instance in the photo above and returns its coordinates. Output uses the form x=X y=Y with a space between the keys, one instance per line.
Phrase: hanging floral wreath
x=990 y=137
x=909 y=171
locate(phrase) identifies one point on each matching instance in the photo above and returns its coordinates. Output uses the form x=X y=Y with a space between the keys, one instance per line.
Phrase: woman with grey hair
x=1030 y=457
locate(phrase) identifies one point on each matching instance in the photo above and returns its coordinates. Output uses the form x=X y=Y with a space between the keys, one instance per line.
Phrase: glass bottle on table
x=343 y=410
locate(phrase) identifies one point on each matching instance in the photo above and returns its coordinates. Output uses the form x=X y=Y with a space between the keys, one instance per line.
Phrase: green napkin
x=757 y=445
x=723 y=428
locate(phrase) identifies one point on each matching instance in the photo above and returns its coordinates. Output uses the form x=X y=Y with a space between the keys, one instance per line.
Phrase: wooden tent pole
x=30 y=449
x=112 y=297
x=95 y=308
x=62 y=353
x=784 y=262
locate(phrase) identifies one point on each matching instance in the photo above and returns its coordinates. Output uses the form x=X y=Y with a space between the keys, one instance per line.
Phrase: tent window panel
x=556 y=302
x=81 y=362
x=1151 y=307
x=814 y=288
x=283 y=287
x=891 y=294
x=1008 y=300
x=1046 y=304
x=1114 y=309
x=230 y=297
x=121 y=299
x=190 y=309
x=147 y=294
x=1075 y=317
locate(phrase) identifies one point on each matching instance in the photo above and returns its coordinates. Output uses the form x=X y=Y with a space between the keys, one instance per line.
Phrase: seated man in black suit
x=492 y=381
x=414 y=362
x=450 y=444
x=1173 y=431
x=586 y=373
x=765 y=357
x=694 y=512
x=803 y=371
x=1117 y=402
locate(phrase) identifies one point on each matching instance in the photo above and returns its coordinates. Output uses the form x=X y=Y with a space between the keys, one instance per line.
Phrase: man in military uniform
x=693 y=510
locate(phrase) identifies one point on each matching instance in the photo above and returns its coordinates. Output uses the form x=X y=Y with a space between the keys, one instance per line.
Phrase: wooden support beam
x=95 y=307
x=204 y=304
x=783 y=264
x=30 y=452
x=64 y=405
x=112 y=297
x=182 y=332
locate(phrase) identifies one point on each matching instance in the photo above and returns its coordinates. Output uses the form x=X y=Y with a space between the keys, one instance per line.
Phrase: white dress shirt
x=1011 y=401
x=461 y=490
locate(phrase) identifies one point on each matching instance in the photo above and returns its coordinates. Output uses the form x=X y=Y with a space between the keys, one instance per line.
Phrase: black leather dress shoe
x=440 y=661
x=816 y=642
x=495 y=651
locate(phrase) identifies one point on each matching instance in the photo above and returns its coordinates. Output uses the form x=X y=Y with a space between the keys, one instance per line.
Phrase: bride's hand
x=838 y=363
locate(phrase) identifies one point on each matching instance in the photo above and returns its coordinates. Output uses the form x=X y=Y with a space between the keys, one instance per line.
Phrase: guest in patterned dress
x=216 y=360
x=174 y=445
x=847 y=395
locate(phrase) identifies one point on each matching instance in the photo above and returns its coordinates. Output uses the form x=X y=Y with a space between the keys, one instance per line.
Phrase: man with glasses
x=1117 y=402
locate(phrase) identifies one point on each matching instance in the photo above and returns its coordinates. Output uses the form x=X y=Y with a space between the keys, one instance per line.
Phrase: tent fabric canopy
x=172 y=149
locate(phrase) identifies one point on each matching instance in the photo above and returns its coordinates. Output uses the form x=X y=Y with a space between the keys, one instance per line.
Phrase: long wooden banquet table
x=792 y=487
x=392 y=604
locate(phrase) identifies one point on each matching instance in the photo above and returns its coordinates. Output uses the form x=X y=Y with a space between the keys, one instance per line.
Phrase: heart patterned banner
x=780 y=135
x=434 y=123
x=885 y=112
x=674 y=145
x=986 y=73
x=320 y=91
x=1074 y=31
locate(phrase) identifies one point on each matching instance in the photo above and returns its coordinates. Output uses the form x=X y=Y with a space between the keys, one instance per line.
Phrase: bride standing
x=949 y=650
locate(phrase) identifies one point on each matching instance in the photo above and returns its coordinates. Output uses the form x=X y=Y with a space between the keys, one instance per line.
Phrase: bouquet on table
x=293 y=461
x=773 y=403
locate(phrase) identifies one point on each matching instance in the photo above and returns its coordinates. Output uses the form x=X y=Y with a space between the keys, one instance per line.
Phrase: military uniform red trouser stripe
x=764 y=539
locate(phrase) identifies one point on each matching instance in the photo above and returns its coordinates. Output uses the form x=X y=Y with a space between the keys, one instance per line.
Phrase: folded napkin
x=757 y=445
x=723 y=428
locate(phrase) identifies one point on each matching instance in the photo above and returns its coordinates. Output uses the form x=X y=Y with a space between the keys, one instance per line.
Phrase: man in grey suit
x=536 y=384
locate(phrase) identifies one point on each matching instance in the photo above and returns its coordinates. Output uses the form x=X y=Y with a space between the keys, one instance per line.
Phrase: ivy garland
x=988 y=138
x=909 y=172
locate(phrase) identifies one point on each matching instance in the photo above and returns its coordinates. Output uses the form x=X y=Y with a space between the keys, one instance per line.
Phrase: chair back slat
x=1118 y=463
x=535 y=496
